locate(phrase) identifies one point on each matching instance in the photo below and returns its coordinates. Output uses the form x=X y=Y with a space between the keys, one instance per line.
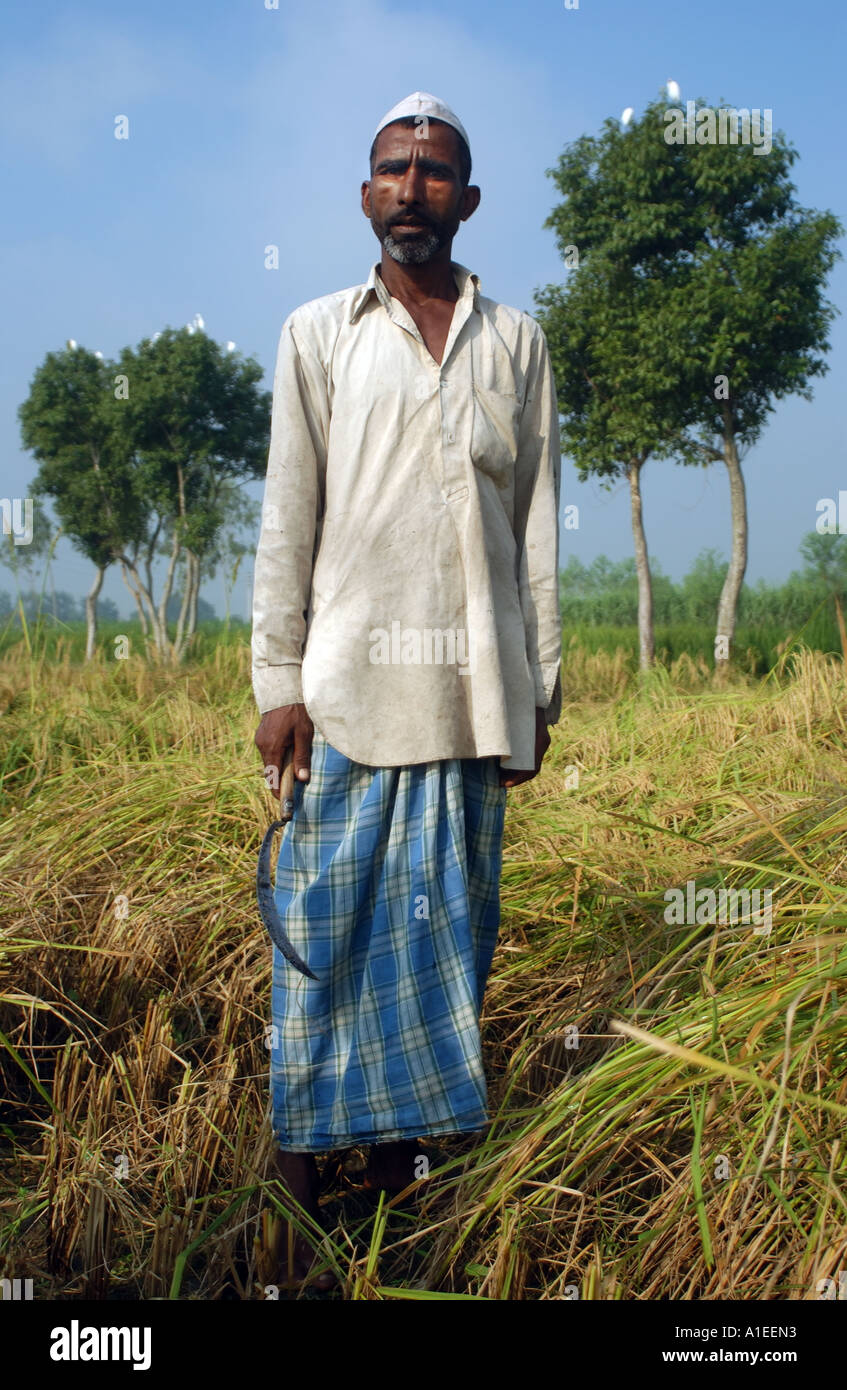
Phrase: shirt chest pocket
x=494 y=433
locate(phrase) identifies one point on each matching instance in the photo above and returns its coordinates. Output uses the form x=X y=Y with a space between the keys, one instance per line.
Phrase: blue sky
x=251 y=126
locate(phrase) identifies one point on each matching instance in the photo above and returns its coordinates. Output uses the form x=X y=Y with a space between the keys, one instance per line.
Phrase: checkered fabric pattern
x=388 y=886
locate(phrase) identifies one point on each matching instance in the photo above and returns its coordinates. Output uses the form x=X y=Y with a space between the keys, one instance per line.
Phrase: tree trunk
x=187 y=624
x=167 y=649
x=195 y=594
x=182 y=620
x=91 y=612
x=728 y=605
x=142 y=616
x=143 y=594
x=646 y=639
x=148 y=559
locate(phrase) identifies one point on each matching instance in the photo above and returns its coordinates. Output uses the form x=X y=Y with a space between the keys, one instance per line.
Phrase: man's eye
x=430 y=173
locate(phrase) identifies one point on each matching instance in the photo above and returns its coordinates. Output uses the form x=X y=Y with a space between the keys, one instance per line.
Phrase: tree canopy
x=144 y=457
x=695 y=301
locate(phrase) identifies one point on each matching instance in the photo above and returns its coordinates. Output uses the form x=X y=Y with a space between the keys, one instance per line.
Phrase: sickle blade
x=267 y=906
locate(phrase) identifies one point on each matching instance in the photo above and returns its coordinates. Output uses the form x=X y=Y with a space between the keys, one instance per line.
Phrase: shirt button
x=450 y=437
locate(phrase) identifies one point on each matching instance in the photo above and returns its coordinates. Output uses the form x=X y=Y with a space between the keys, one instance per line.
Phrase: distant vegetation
x=62 y=607
x=600 y=606
x=599 y=612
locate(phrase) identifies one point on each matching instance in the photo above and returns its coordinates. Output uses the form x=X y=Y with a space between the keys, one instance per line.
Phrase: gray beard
x=411 y=252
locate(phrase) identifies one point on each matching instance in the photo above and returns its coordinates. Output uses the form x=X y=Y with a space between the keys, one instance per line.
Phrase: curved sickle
x=264 y=890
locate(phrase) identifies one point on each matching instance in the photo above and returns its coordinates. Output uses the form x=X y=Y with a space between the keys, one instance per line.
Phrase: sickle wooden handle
x=286 y=787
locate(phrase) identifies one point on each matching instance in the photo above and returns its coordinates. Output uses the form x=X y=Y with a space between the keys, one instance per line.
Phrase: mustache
x=410 y=217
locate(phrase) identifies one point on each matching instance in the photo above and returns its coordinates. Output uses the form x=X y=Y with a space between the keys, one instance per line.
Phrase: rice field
x=667 y=1098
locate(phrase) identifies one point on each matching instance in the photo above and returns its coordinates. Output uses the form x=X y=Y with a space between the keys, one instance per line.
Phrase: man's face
x=414 y=199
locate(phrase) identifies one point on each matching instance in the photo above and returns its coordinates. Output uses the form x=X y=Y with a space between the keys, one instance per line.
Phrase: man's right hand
x=280 y=729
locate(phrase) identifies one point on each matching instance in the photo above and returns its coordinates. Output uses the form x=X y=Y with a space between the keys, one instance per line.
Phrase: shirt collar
x=467 y=283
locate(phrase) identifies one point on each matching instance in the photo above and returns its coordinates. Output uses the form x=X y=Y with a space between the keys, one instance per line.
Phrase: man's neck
x=417 y=284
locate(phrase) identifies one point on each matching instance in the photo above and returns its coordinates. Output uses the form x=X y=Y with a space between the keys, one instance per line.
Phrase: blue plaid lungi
x=387 y=885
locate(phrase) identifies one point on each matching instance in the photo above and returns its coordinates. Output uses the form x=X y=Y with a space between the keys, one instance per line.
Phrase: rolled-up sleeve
x=291 y=511
x=537 y=490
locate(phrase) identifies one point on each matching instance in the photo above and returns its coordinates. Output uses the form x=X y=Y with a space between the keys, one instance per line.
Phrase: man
x=406 y=644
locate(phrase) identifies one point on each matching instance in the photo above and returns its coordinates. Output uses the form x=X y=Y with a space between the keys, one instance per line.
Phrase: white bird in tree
x=230 y=347
x=100 y=355
x=71 y=343
x=198 y=321
x=627 y=115
x=673 y=90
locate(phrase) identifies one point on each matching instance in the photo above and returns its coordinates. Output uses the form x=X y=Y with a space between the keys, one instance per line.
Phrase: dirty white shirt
x=406 y=577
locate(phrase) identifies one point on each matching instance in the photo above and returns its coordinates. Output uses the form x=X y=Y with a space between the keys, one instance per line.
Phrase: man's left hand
x=513 y=776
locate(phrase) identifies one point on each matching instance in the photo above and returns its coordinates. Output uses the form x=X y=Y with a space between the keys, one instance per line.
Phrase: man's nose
x=412 y=185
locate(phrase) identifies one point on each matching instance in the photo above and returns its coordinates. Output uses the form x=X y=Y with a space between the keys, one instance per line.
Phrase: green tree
x=618 y=406
x=71 y=423
x=144 y=457
x=198 y=428
x=750 y=321
x=709 y=280
x=618 y=395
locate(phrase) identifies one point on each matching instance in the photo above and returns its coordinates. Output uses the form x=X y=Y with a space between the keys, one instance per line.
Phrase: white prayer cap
x=423 y=104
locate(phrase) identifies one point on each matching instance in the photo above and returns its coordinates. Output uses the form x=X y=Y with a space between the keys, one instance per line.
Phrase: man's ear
x=470 y=201
x=366 y=197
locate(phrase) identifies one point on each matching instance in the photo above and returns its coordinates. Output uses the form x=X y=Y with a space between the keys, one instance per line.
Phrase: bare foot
x=298 y=1255
x=392 y=1165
